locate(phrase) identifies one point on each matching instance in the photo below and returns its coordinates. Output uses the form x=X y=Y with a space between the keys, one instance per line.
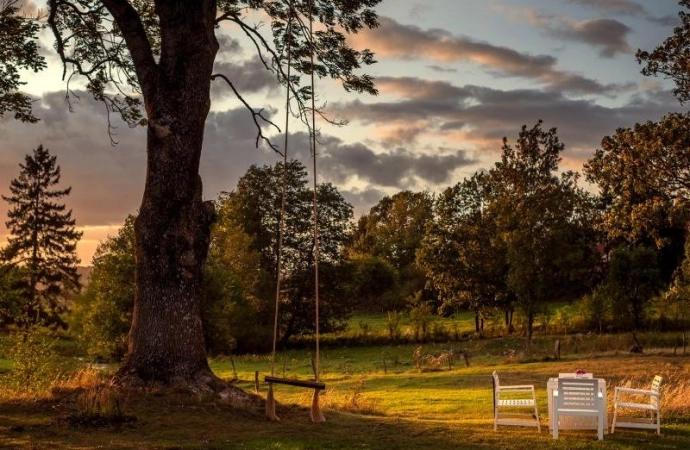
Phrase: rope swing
x=315 y=413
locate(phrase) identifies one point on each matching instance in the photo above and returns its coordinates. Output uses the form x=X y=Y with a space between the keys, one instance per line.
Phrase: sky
x=454 y=78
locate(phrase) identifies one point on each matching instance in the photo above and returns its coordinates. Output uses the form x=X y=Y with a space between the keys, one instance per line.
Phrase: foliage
x=673 y=305
x=373 y=281
x=671 y=59
x=12 y=286
x=631 y=283
x=19 y=51
x=119 y=63
x=103 y=312
x=644 y=179
x=596 y=309
x=393 y=325
x=393 y=231
x=543 y=222
x=460 y=254
x=421 y=317
x=36 y=367
x=255 y=209
x=44 y=240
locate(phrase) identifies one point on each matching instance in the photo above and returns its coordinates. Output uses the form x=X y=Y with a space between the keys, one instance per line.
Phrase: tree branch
x=256 y=115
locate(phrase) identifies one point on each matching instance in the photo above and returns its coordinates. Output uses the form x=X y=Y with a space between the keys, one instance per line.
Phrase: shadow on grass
x=181 y=422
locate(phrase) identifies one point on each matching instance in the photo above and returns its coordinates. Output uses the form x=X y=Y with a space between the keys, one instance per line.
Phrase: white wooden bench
x=651 y=407
x=510 y=403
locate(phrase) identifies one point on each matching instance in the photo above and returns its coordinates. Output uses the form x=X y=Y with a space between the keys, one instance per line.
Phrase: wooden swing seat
x=315 y=412
x=293 y=382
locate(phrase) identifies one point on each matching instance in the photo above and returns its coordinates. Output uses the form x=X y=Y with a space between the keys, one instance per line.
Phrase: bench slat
x=294 y=382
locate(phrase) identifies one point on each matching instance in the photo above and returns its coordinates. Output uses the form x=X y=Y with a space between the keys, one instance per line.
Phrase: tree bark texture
x=172 y=230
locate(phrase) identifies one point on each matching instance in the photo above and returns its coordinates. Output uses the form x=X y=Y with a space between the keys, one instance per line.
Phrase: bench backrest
x=656 y=385
x=577 y=393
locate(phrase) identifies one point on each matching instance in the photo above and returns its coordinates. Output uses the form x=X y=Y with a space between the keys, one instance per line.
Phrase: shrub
x=36 y=368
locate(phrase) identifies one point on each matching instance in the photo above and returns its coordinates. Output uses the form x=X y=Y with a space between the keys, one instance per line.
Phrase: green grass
x=376 y=398
x=401 y=409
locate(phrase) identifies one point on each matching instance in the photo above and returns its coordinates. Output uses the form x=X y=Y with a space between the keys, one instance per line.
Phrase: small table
x=576 y=422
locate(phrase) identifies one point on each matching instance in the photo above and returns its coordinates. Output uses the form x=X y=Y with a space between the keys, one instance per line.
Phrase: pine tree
x=43 y=242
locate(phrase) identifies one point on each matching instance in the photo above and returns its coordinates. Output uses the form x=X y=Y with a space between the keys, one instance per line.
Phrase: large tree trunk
x=172 y=230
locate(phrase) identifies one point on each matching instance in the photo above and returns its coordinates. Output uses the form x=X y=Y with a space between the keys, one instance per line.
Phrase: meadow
x=377 y=397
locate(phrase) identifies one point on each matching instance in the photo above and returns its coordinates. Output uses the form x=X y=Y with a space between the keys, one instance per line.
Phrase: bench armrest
x=623 y=390
x=516 y=388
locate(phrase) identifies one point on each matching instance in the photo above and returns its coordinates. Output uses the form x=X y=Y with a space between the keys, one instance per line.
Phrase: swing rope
x=281 y=228
x=317 y=367
x=270 y=398
x=315 y=413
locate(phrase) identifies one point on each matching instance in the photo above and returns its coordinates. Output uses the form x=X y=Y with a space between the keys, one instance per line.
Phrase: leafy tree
x=256 y=206
x=44 y=241
x=18 y=51
x=644 y=177
x=235 y=317
x=372 y=282
x=161 y=54
x=631 y=283
x=543 y=221
x=463 y=259
x=672 y=58
x=103 y=312
x=393 y=230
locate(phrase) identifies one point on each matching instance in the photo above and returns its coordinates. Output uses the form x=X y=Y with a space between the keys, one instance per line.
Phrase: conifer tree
x=43 y=242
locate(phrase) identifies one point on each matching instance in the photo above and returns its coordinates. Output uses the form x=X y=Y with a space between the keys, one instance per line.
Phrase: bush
x=36 y=367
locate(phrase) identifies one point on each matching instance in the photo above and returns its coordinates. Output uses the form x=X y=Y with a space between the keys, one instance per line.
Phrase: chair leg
x=600 y=427
x=615 y=414
x=658 y=422
x=495 y=419
x=536 y=416
x=555 y=424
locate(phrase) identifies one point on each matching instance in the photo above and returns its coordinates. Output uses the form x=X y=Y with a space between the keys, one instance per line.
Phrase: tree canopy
x=643 y=173
x=18 y=50
x=672 y=58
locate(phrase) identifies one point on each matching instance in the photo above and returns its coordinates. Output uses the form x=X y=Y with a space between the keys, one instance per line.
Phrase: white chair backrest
x=656 y=385
x=577 y=393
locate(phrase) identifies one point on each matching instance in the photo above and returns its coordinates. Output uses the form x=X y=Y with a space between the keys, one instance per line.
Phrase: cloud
x=609 y=35
x=625 y=7
x=395 y=40
x=628 y=8
x=248 y=77
x=479 y=117
x=398 y=168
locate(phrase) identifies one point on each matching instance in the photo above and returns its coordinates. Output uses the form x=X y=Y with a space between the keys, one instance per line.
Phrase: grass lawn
x=365 y=407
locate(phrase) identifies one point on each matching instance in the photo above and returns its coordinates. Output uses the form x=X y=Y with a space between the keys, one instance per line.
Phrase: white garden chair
x=510 y=403
x=645 y=400
x=578 y=397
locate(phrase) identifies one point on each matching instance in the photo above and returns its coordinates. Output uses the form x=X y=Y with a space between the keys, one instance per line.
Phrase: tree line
x=515 y=237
